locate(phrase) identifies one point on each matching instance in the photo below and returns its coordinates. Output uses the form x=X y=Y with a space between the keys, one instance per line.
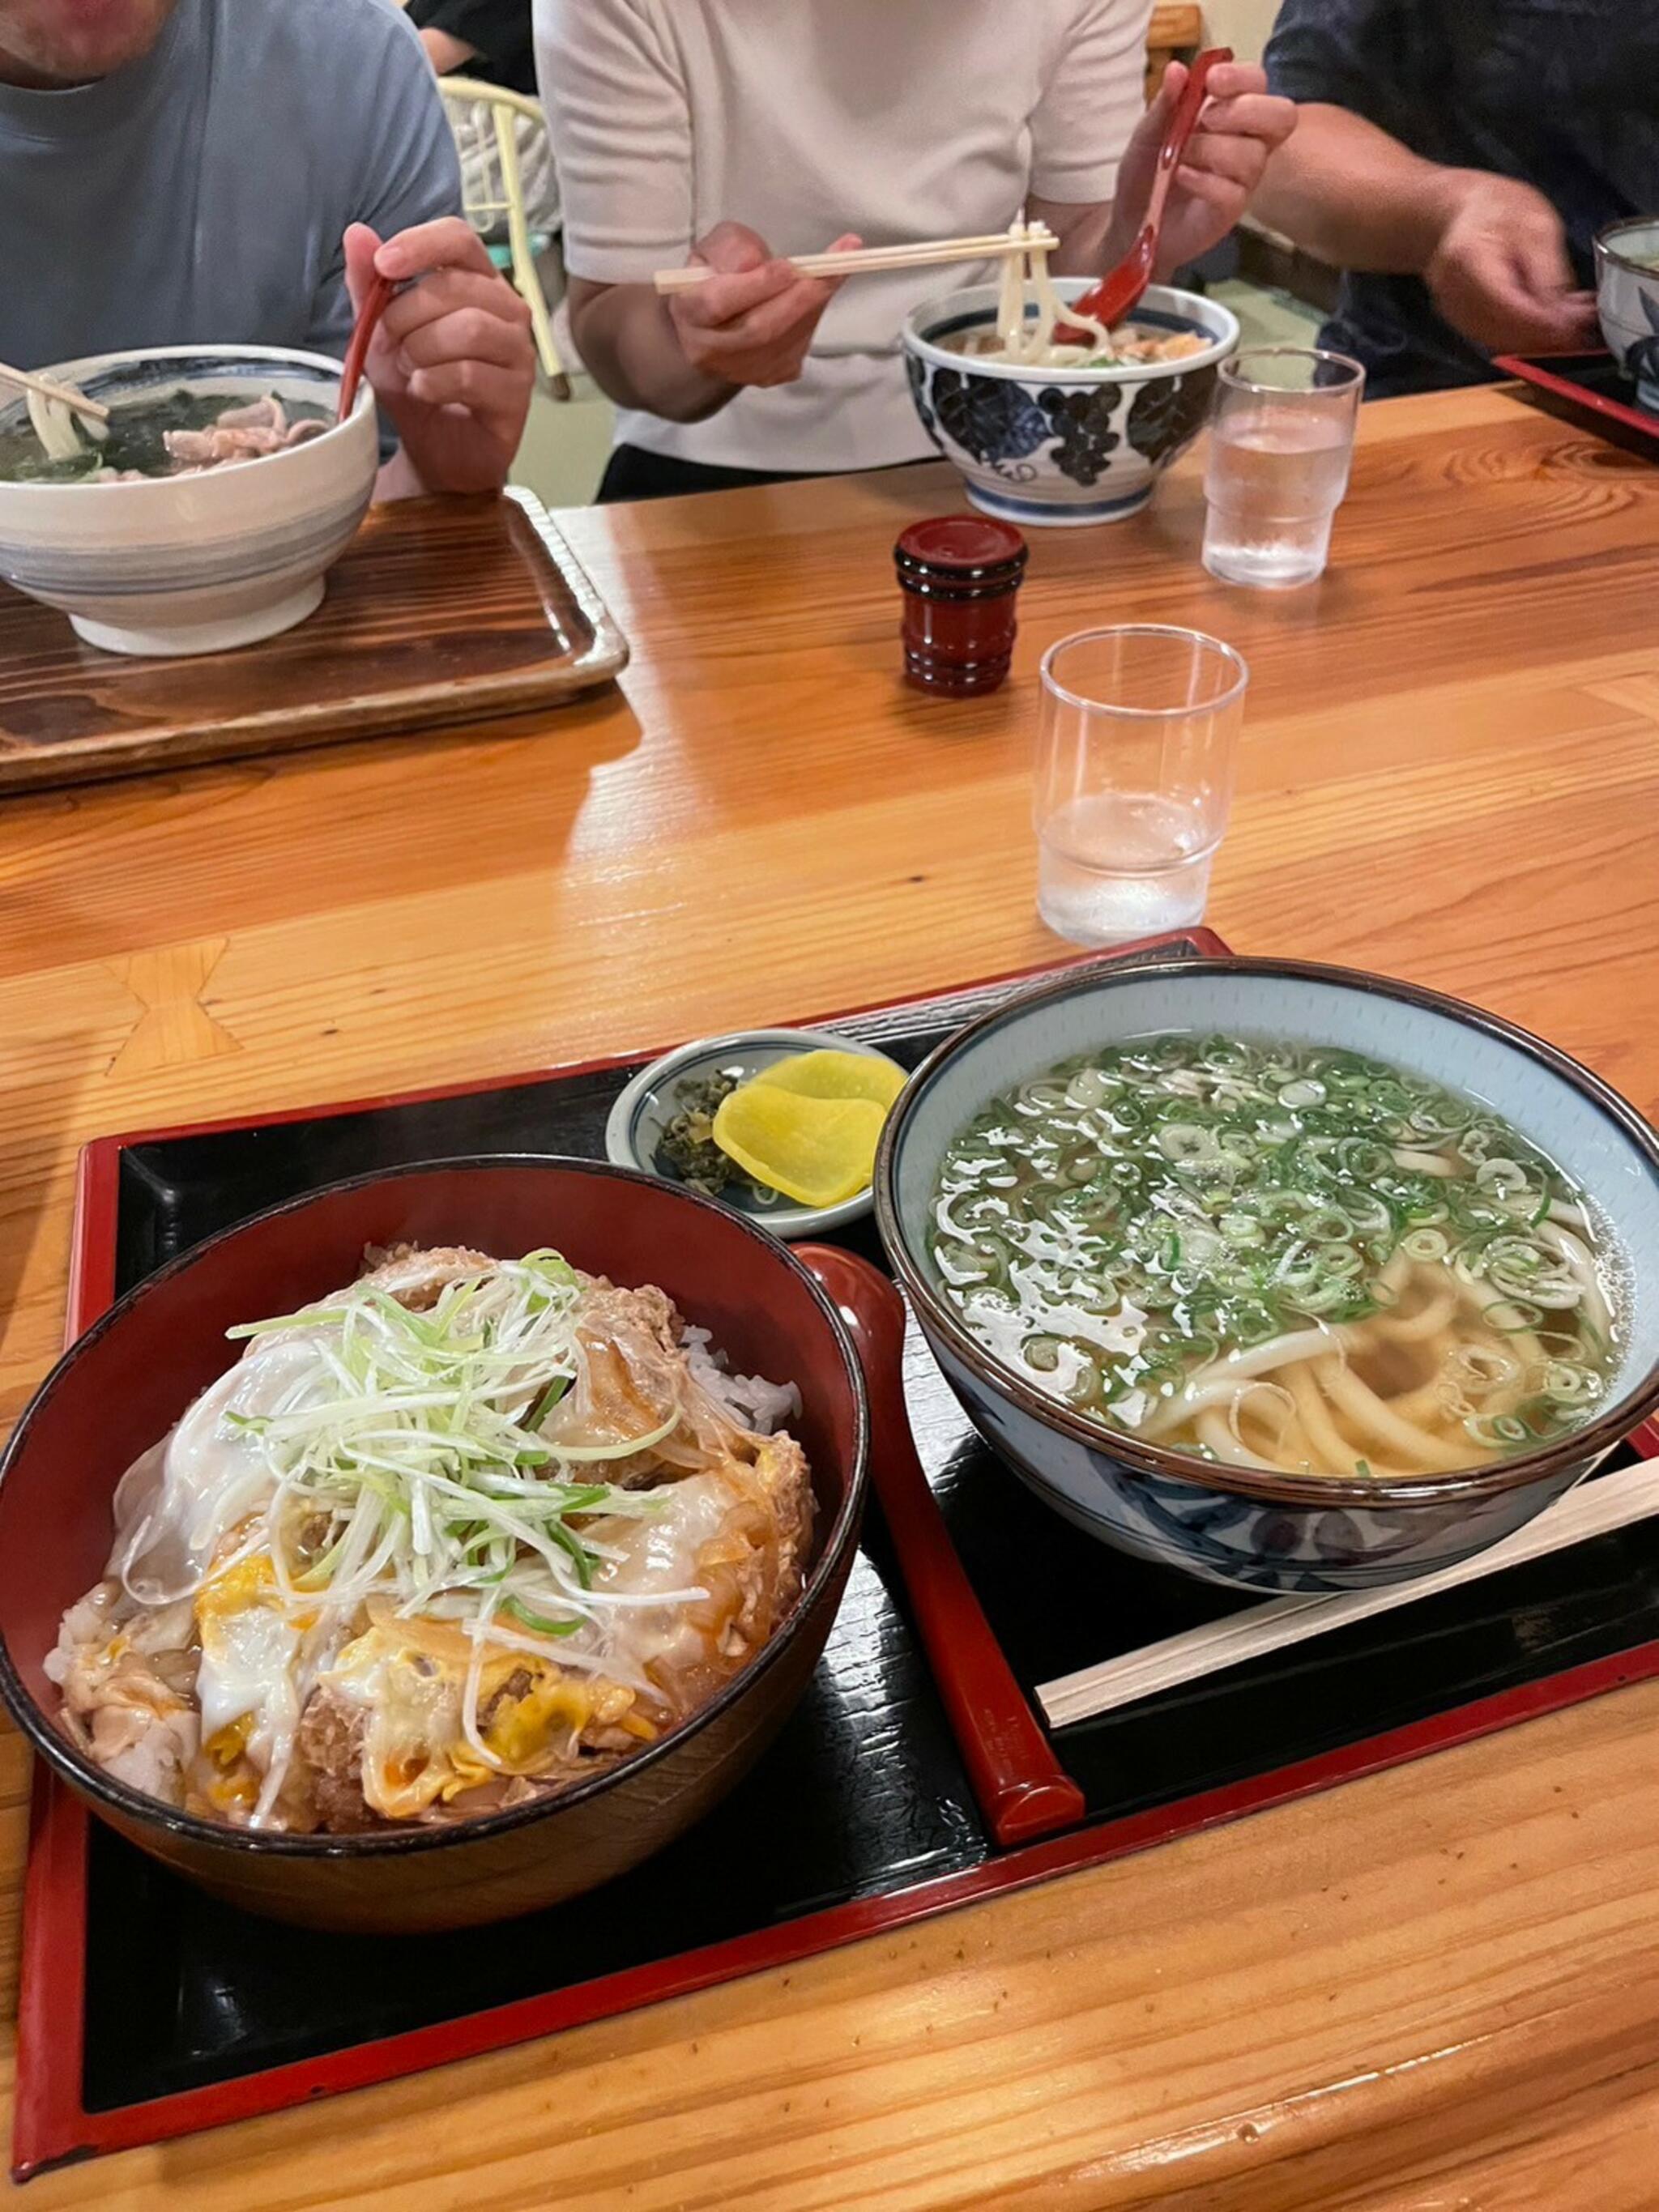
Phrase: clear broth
x=138 y=437
x=1279 y=1256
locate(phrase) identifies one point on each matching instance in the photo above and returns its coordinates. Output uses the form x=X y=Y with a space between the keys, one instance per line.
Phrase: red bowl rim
x=150 y=1812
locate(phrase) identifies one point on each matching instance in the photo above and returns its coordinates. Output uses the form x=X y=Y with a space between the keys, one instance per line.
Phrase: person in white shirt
x=731 y=131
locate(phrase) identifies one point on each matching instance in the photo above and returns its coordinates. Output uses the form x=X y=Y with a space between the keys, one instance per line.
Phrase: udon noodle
x=1279 y=1257
x=1023 y=335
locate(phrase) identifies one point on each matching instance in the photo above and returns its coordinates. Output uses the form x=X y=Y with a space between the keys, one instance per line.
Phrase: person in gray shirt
x=234 y=172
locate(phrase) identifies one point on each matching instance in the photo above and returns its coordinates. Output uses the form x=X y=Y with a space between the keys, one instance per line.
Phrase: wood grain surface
x=439 y=611
x=1436 y=1988
x=1175 y=29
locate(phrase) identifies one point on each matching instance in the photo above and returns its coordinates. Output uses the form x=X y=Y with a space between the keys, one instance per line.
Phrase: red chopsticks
x=1022 y=1788
x=375 y=301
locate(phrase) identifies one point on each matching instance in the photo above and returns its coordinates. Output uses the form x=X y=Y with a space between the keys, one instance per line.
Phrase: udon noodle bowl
x=1030 y=312
x=465 y=1533
x=1289 y=1258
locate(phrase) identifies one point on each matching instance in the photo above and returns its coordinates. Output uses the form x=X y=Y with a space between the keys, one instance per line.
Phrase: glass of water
x=1281 y=438
x=1136 y=748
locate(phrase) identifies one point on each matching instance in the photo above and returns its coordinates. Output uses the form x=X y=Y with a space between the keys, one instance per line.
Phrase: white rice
x=87 y=1622
x=761 y=1405
x=151 y=1756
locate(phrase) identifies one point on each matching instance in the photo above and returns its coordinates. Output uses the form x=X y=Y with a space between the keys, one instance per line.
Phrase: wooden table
x=1436 y=1988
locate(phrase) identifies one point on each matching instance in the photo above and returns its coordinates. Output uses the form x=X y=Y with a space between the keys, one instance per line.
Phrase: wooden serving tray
x=440 y=610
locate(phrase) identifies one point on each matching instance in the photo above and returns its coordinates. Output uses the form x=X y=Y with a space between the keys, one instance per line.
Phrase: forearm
x=448 y=55
x=1353 y=196
x=439 y=450
x=628 y=342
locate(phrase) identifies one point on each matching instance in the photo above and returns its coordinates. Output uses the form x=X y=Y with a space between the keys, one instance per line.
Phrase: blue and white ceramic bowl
x=195 y=563
x=1627 y=302
x=1265 y=1531
x=1072 y=445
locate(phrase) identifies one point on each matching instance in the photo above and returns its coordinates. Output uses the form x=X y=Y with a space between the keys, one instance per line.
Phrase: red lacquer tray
x=1591 y=388
x=199 y=2015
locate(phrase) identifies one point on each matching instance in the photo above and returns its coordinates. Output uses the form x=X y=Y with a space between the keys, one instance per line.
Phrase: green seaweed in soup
x=138 y=436
x=1277 y=1257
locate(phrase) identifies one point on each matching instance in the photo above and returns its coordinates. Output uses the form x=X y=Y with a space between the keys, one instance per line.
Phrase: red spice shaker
x=960 y=574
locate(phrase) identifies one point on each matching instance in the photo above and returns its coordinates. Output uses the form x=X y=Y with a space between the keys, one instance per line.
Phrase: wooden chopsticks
x=27 y=380
x=926 y=253
x=1593 y=1509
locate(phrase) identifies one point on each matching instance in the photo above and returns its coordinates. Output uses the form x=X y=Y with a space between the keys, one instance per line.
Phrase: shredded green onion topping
x=409 y=1460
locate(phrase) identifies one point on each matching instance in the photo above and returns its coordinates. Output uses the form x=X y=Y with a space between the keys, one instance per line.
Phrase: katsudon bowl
x=1063 y=445
x=133 y=1374
x=199 y=562
x=1254 y=1527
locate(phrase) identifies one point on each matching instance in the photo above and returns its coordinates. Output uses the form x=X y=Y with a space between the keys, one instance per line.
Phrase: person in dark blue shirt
x=1455 y=159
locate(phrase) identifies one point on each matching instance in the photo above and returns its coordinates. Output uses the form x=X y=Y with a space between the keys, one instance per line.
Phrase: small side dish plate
x=639 y=1120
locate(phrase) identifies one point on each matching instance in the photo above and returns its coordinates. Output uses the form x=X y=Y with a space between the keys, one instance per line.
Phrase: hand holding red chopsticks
x=445 y=340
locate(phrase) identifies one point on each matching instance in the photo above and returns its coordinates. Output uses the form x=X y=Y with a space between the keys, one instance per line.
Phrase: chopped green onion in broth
x=1288 y=1257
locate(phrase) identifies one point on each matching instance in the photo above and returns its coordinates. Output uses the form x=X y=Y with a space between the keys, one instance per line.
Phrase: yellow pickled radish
x=827 y=1074
x=815 y=1151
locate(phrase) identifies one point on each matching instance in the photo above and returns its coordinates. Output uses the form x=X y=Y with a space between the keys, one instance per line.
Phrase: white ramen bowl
x=195 y=563
x=1280 y=1533
x=1073 y=445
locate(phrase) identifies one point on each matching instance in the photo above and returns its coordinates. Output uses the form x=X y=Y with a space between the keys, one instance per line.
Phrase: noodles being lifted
x=1280 y=1257
x=1026 y=339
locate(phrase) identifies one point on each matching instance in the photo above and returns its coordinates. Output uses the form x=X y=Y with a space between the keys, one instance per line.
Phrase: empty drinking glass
x=1281 y=439
x=1136 y=746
